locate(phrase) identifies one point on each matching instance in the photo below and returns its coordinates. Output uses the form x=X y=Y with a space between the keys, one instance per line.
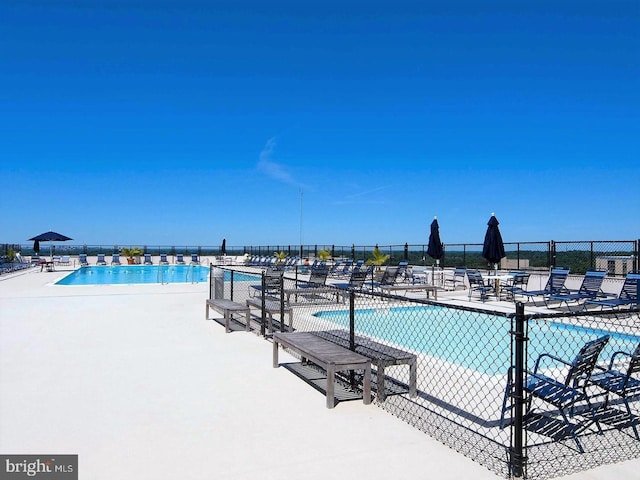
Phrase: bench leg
x=382 y=394
x=366 y=385
x=247 y=321
x=227 y=314
x=331 y=376
x=206 y=311
x=275 y=355
x=413 y=376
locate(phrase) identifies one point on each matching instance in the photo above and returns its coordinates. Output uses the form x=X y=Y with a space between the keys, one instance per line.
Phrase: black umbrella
x=223 y=248
x=36 y=246
x=435 y=250
x=493 y=248
x=50 y=237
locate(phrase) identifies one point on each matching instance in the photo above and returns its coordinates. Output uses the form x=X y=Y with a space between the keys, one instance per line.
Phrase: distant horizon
x=343 y=122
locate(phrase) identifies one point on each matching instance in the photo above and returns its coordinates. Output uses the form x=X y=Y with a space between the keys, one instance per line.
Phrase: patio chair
x=179 y=259
x=516 y=286
x=82 y=260
x=101 y=260
x=147 y=259
x=115 y=259
x=456 y=279
x=65 y=260
x=195 y=260
x=621 y=383
x=628 y=294
x=477 y=285
x=163 y=259
x=590 y=289
x=555 y=285
x=563 y=394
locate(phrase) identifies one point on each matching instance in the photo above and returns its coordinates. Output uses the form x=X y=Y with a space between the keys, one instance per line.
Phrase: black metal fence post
x=263 y=319
x=352 y=335
x=231 y=298
x=518 y=457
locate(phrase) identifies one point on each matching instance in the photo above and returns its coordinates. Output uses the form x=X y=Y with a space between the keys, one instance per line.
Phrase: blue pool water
x=128 y=274
x=473 y=340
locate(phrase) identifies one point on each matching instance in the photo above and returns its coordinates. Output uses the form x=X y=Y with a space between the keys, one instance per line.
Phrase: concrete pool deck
x=135 y=381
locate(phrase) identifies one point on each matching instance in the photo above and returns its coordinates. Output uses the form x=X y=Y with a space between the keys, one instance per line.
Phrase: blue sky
x=183 y=122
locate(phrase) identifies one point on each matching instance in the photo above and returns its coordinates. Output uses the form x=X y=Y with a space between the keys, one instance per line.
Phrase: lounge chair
x=477 y=285
x=590 y=289
x=456 y=279
x=554 y=286
x=344 y=270
x=621 y=383
x=179 y=259
x=563 y=394
x=82 y=260
x=147 y=259
x=356 y=280
x=628 y=296
x=388 y=279
x=273 y=279
x=65 y=260
x=163 y=259
x=314 y=287
x=115 y=259
x=195 y=260
x=101 y=260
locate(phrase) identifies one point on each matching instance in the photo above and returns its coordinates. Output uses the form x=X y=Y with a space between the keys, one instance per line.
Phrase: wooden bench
x=411 y=287
x=271 y=307
x=328 y=355
x=228 y=308
x=380 y=355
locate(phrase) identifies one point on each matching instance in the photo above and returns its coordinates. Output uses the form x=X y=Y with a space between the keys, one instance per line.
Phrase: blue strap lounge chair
x=590 y=289
x=115 y=259
x=621 y=382
x=82 y=260
x=194 y=259
x=388 y=279
x=179 y=259
x=516 y=286
x=101 y=260
x=147 y=259
x=163 y=259
x=554 y=286
x=271 y=285
x=563 y=394
x=357 y=279
x=628 y=296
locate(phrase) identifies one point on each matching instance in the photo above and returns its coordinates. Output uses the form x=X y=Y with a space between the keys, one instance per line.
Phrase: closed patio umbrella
x=434 y=249
x=223 y=247
x=50 y=237
x=36 y=247
x=493 y=248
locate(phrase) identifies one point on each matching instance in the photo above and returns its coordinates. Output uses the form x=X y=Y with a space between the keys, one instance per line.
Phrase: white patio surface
x=135 y=381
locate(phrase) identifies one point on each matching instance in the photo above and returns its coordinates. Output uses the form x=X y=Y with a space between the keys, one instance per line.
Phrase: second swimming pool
x=477 y=341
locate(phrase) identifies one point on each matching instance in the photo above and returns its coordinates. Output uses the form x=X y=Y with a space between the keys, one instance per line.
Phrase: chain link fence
x=449 y=370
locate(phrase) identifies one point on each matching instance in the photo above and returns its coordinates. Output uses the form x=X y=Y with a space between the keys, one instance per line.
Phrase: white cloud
x=273 y=169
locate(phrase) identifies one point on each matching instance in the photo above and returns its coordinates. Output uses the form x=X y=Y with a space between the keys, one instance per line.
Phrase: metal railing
x=615 y=256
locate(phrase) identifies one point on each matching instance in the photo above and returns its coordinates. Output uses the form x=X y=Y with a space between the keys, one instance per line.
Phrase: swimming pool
x=136 y=274
x=477 y=341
